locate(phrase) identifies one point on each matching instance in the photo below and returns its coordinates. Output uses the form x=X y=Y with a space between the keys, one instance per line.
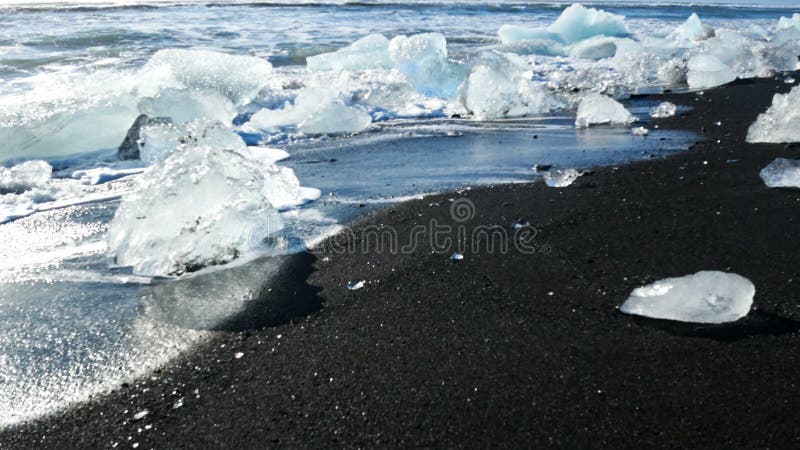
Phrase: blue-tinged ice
x=782 y=173
x=706 y=71
x=692 y=30
x=704 y=297
x=370 y=52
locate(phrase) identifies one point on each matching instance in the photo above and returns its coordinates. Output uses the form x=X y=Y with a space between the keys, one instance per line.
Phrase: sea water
x=420 y=97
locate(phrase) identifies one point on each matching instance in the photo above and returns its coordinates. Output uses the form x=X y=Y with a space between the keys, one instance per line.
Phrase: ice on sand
x=781 y=122
x=664 y=109
x=782 y=173
x=706 y=71
x=705 y=297
x=561 y=178
x=599 y=109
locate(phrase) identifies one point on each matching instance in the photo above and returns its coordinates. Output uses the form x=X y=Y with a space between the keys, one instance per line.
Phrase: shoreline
x=506 y=349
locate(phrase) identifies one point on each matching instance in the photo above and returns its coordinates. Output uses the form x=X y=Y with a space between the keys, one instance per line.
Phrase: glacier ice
x=596 y=108
x=560 y=178
x=664 y=109
x=315 y=111
x=782 y=173
x=596 y=47
x=370 y=52
x=578 y=22
x=25 y=176
x=200 y=207
x=640 y=131
x=237 y=77
x=501 y=86
x=692 y=30
x=184 y=105
x=707 y=71
x=704 y=297
x=422 y=58
x=159 y=140
x=781 y=121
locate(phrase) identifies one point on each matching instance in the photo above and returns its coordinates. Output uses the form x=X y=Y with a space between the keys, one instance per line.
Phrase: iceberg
x=578 y=22
x=782 y=173
x=663 y=110
x=200 y=207
x=596 y=109
x=705 y=297
x=24 y=177
x=780 y=123
x=370 y=52
x=706 y=71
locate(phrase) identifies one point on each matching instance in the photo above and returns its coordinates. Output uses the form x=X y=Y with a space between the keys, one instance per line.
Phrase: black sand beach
x=509 y=350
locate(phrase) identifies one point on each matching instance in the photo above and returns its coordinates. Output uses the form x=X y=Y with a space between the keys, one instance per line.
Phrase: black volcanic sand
x=516 y=349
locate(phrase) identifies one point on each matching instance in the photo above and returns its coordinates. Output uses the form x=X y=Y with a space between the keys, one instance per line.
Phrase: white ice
x=664 y=109
x=782 y=173
x=25 y=176
x=200 y=207
x=596 y=108
x=640 y=131
x=370 y=52
x=575 y=23
x=781 y=121
x=160 y=140
x=705 y=297
x=691 y=30
x=706 y=71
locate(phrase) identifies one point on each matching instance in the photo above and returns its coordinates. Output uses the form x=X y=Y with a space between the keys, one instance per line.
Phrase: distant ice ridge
x=599 y=109
x=782 y=173
x=780 y=123
x=705 y=297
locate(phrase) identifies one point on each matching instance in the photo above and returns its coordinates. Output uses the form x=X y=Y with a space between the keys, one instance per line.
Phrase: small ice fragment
x=355 y=285
x=598 y=109
x=665 y=109
x=454 y=134
x=456 y=256
x=140 y=415
x=238 y=355
x=640 y=131
x=718 y=123
x=789 y=80
x=520 y=223
x=561 y=178
x=178 y=403
x=704 y=297
x=782 y=173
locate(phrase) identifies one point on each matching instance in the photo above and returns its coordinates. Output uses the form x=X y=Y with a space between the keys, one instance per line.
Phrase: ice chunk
x=787 y=30
x=355 y=285
x=705 y=297
x=283 y=189
x=315 y=111
x=781 y=121
x=596 y=108
x=200 y=207
x=596 y=47
x=237 y=77
x=422 y=58
x=692 y=30
x=159 y=140
x=184 y=105
x=640 y=131
x=371 y=52
x=782 y=173
x=578 y=22
x=100 y=175
x=707 y=71
x=561 y=178
x=788 y=22
x=500 y=86
x=664 y=109
x=25 y=176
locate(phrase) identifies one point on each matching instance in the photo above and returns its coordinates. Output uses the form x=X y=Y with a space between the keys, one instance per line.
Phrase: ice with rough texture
x=663 y=110
x=200 y=207
x=599 y=109
x=706 y=71
x=237 y=77
x=781 y=122
x=782 y=173
x=561 y=178
x=596 y=47
x=704 y=297
x=370 y=52
x=422 y=58
x=25 y=176
x=501 y=86
x=640 y=131
x=578 y=22
x=182 y=105
x=315 y=110
x=159 y=140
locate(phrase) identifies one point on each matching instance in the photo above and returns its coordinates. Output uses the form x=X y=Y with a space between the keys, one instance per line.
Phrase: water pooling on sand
x=477 y=105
